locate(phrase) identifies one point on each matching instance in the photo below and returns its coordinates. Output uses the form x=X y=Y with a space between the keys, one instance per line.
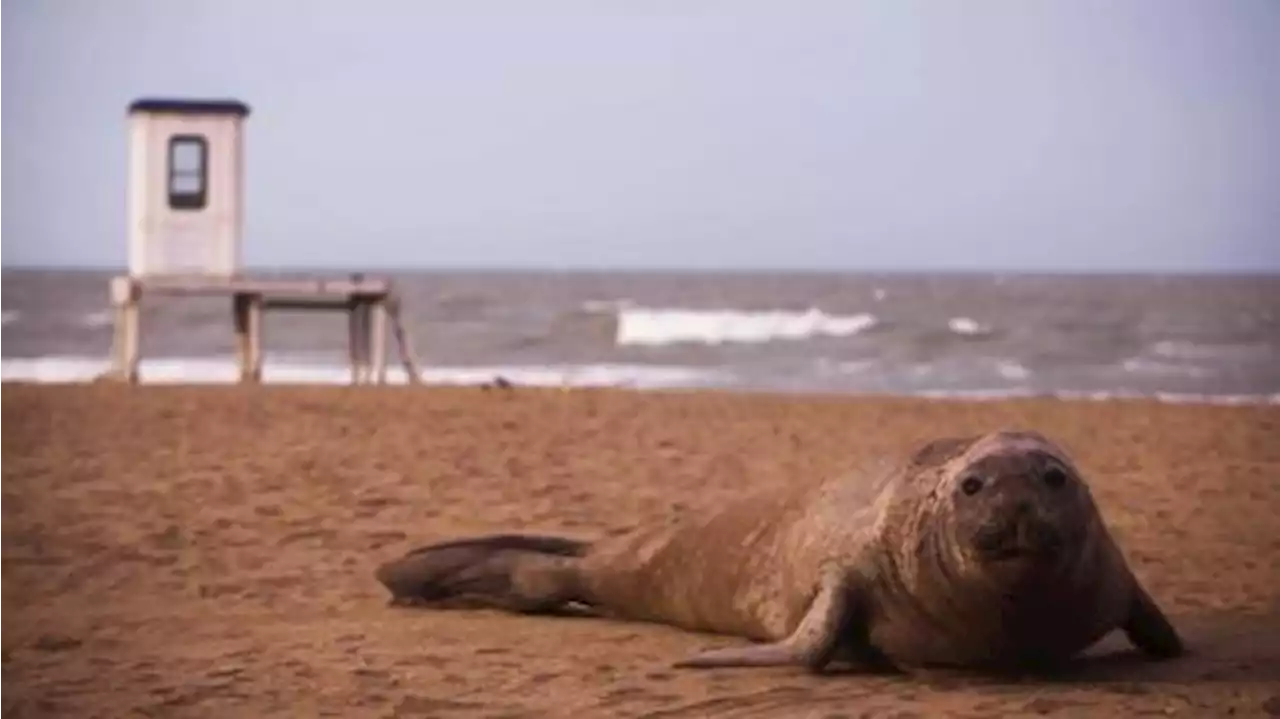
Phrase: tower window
x=188 y=172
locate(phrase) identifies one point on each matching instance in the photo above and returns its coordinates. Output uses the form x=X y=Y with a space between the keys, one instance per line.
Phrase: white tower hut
x=186 y=209
x=186 y=177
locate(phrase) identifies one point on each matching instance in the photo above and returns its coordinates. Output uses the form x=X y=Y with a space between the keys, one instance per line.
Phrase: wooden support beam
x=341 y=287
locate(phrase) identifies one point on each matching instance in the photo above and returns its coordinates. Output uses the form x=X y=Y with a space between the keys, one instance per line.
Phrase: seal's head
x=1017 y=504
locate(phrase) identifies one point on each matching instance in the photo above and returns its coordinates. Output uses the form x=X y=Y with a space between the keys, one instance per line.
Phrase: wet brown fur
x=848 y=568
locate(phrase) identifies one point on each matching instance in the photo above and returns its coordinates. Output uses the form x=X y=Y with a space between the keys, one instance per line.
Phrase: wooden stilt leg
x=116 y=357
x=366 y=341
x=119 y=298
x=126 y=341
x=354 y=335
x=244 y=339
x=404 y=342
x=379 y=339
x=255 y=338
x=132 y=339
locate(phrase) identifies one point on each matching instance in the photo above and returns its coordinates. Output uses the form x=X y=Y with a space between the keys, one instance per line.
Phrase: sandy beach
x=207 y=551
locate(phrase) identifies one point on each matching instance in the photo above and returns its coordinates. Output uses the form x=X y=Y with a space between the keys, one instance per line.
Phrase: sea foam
x=218 y=370
x=222 y=370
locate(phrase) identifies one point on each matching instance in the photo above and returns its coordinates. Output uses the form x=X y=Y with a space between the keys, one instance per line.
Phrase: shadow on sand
x=1219 y=648
x=1223 y=647
x=1226 y=647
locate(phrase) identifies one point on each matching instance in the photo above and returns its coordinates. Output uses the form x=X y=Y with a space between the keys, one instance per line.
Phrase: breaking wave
x=654 y=327
x=968 y=327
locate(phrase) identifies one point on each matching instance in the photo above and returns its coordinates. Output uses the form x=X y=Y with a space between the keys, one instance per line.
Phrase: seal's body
x=980 y=552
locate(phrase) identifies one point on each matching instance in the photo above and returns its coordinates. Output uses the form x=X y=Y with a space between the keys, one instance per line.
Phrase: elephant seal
x=981 y=553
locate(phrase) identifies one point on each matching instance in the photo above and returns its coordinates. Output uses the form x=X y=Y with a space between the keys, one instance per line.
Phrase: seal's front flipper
x=519 y=573
x=776 y=654
x=813 y=644
x=1149 y=629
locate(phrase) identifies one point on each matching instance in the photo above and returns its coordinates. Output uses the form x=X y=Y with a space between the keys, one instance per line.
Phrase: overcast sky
x=881 y=134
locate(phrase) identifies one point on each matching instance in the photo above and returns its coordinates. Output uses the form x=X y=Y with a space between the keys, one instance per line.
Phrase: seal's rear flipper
x=519 y=573
x=1149 y=629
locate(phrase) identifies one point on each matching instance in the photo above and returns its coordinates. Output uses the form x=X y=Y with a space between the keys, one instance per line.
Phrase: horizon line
x=584 y=268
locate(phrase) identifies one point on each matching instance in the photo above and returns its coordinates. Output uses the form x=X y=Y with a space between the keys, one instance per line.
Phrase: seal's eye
x=971 y=485
x=1054 y=477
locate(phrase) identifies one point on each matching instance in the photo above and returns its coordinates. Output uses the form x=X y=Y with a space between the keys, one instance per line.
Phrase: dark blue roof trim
x=203 y=107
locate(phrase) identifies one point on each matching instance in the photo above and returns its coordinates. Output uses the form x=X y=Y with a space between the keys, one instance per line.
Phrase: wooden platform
x=371 y=305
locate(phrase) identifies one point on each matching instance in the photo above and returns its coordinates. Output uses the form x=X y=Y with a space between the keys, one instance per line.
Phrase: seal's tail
x=516 y=572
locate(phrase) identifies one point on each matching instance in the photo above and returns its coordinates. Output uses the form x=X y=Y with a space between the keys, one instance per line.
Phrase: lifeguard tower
x=186 y=211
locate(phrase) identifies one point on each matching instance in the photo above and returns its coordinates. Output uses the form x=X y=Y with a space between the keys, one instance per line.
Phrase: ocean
x=1207 y=338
